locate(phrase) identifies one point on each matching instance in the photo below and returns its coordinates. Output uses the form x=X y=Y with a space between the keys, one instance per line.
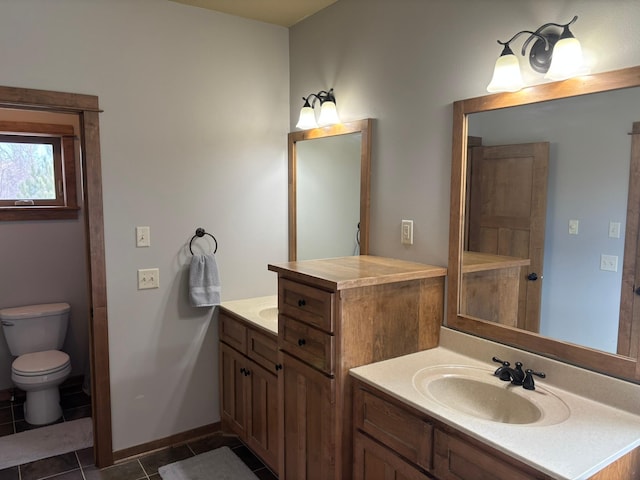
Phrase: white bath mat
x=218 y=464
x=44 y=442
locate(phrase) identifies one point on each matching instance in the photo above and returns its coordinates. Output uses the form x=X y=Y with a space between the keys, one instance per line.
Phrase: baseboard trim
x=176 y=439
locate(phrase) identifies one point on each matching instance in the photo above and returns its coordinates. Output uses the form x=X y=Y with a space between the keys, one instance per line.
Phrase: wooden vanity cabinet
x=394 y=441
x=249 y=385
x=335 y=314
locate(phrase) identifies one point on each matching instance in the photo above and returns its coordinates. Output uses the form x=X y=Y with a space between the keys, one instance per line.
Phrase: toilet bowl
x=34 y=334
x=39 y=374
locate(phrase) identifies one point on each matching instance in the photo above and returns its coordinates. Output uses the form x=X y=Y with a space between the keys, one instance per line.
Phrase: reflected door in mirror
x=507 y=211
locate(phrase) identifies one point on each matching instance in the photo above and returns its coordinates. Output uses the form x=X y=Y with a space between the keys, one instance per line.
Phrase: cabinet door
x=456 y=459
x=309 y=422
x=372 y=461
x=262 y=428
x=233 y=390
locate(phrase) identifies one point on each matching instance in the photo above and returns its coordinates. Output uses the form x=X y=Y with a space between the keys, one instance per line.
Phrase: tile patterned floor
x=79 y=465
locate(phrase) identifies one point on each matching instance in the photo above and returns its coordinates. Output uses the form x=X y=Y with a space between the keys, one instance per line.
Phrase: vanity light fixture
x=328 y=112
x=557 y=55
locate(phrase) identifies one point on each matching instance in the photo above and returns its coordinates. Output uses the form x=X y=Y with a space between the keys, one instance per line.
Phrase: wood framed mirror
x=329 y=191
x=485 y=288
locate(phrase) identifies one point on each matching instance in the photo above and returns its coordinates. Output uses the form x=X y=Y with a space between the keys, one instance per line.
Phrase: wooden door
x=629 y=327
x=262 y=429
x=233 y=392
x=309 y=422
x=507 y=213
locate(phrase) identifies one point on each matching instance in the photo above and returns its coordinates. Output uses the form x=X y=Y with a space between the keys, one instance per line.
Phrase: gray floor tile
x=49 y=466
x=131 y=470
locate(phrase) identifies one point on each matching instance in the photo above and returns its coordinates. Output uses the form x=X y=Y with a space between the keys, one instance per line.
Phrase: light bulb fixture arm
x=322 y=96
x=565 y=32
x=507 y=49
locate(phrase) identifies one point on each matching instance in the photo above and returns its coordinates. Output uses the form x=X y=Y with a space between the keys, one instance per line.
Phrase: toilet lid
x=37 y=363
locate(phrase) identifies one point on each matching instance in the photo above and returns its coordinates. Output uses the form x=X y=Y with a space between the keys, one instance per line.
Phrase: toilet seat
x=38 y=364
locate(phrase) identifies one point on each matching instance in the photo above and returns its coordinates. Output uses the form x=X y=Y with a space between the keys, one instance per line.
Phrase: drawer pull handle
x=301 y=342
x=301 y=302
x=247 y=372
x=243 y=370
x=278 y=366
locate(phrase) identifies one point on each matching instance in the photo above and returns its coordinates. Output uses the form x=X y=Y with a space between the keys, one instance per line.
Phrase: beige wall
x=404 y=62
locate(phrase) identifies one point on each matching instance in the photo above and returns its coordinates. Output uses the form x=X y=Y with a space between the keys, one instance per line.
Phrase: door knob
x=533 y=276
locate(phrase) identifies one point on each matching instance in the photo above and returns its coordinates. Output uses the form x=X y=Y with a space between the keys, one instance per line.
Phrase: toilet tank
x=35 y=328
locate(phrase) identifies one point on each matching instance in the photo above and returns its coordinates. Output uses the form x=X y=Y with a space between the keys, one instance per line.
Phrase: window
x=37 y=171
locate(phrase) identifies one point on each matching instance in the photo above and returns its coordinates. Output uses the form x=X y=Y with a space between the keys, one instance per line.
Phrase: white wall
x=403 y=62
x=193 y=134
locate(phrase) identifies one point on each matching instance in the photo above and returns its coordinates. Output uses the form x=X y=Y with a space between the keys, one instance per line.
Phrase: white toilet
x=34 y=334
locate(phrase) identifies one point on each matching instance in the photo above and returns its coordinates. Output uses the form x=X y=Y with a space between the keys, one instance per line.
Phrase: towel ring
x=200 y=232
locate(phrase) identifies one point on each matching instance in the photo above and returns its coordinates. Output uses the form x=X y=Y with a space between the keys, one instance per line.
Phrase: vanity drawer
x=262 y=349
x=307 y=304
x=408 y=435
x=306 y=343
x=455 y=459
x=233 y=332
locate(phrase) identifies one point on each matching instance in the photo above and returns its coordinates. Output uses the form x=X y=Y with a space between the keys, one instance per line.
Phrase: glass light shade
x=328 y=114
x=506 y=75
x=307 y=119
x=566 y=61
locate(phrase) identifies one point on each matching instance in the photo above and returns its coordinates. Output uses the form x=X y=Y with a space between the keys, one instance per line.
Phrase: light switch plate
x=143 y=237
x=148 y=278
x=407 y=232
x=573 y=227
x=614 y=229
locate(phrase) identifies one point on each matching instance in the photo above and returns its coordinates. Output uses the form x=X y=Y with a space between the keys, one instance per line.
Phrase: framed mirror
x=544 y=220
x=329 y=191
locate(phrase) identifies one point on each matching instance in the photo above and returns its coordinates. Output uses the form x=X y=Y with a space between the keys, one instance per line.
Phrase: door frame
x=629 y=322
x=87 y=109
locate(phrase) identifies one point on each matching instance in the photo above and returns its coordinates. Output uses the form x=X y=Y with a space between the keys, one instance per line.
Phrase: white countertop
x=594 y=435
x=261 y=311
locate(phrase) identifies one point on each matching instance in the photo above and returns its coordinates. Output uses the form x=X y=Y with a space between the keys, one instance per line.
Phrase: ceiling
x=279 y=12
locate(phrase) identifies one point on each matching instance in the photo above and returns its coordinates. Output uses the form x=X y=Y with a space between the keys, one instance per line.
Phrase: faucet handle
x=501 y=372
x=528 y=382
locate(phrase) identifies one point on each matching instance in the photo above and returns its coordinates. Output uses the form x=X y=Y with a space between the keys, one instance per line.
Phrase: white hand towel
x=204 y=281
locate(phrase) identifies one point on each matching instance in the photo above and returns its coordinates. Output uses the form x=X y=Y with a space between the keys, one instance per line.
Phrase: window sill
x=12 y=214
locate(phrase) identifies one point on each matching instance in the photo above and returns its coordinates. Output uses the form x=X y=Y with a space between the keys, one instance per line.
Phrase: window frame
x=66 y=204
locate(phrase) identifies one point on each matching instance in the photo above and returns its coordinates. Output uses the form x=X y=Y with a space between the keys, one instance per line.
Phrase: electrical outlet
x=609 y=263
x=143 y=237
x=148 y=278
x=407 y=232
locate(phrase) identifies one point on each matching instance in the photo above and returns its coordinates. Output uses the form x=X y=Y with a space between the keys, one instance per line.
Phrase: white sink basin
x=476 y=392
x=269 y=314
